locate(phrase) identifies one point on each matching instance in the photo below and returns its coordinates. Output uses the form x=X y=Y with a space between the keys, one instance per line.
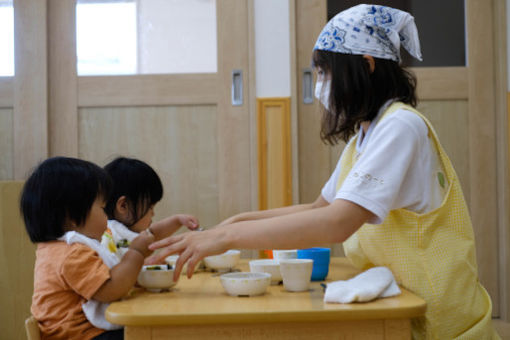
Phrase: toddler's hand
x=141 y=243
x=189 y=221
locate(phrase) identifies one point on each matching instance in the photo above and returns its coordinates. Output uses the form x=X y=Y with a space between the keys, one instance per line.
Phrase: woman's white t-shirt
x=397 y=167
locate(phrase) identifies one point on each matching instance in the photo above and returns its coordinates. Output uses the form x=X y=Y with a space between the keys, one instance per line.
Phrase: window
x=6 y=38
x=146 y=36
x=106 y=37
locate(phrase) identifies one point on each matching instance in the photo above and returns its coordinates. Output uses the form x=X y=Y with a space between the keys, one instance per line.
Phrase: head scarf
x=373 y=30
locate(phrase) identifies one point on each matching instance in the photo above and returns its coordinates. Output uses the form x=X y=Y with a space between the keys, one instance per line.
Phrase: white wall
x=272 y=48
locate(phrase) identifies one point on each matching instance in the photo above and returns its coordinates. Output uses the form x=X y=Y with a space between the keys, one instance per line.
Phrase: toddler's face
x=144 y=222
x=96 y=222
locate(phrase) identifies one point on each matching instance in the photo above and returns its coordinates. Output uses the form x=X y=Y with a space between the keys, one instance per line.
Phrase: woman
x=394 y=197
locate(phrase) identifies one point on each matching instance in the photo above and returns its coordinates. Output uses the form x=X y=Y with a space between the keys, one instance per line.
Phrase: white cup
x=284 y=254
x=296 y=273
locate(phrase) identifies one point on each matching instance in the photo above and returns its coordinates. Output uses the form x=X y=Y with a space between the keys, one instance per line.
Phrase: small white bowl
x=223 y=262
x=284 y=254
x=156 y=280
x=245 y=284
x=267 y=266
x=172 y=259
x=297 y=274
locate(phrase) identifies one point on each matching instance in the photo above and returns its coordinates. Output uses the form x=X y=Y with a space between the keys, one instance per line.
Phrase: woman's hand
x=191 y=247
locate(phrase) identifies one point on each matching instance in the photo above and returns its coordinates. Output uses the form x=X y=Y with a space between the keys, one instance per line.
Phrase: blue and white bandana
x=373 y=30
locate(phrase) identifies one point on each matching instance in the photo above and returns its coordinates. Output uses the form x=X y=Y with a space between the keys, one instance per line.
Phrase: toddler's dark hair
x=356 y=94
x=138 y=182
x=58 y=191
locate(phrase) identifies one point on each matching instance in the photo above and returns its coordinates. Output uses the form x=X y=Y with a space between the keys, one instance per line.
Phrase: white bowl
x=172 y=259
x=267 y=266
x=156 y=280
x=284 y=254
x=245 y=284
x=296 y=273
x=223 y=262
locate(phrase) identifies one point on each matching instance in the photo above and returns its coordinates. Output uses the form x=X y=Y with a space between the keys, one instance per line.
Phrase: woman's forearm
x=262 y=214
x=305 y=228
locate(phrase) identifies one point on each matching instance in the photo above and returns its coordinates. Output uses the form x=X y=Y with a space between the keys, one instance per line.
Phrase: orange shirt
x=65 y=277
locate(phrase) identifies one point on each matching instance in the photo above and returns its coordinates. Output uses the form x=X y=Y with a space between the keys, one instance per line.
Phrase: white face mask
x=322 y=90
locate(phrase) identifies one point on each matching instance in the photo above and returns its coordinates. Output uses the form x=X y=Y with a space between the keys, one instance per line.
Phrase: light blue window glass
x=146 y=36
x=6 y=38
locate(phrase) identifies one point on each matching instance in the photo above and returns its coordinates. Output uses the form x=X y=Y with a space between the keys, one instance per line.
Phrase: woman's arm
x=123 y=276
x=328 y=224
x=261 y=214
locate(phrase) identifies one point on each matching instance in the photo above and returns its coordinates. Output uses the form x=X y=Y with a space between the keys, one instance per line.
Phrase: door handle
x=237 y=87
x=307 y=86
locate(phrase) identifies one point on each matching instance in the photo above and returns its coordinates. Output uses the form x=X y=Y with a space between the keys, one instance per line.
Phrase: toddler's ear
x=122 y=208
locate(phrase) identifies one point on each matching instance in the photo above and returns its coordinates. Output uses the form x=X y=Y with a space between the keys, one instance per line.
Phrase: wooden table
x=200 y=309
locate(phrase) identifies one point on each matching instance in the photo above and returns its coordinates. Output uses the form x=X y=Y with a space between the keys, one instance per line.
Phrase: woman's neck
x=365 y=125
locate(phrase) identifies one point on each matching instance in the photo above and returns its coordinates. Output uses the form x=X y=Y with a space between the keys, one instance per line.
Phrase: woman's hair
x=138 y=182
x=356 y=95
x=61 y=190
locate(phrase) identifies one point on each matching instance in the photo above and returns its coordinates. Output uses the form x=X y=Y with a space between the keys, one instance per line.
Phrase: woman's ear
x=371 y=62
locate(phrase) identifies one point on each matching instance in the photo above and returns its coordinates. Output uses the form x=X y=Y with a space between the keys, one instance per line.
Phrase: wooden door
x=467 y=106
x=184 y=125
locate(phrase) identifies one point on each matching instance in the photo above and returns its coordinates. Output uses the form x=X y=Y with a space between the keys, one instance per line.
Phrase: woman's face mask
x=322 y=91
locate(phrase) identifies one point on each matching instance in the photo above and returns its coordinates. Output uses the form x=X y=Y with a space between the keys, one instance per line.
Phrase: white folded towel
x=371 y=284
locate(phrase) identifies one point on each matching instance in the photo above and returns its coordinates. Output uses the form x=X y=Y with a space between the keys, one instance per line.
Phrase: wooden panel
x=314 y=155
x=482 y=144
x=63 y=84
x=137 y=333
x=294 y=103
x=6 y=93
x=252 y=105
x=154 y=89
x=397 y=329
x=6 y=144
x=30 y=86
x=17 y=258
x=178 y=142
x=367 y=330
x=275 y=167
x=441 y=83
x=450 y=120
x=503 y=149
x=234 y=159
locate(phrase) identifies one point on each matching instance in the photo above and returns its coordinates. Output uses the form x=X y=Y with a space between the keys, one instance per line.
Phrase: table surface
x=202 y=300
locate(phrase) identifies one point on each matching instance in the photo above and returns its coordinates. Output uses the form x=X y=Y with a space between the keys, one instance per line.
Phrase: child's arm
x=123 y=276
x=170 y=225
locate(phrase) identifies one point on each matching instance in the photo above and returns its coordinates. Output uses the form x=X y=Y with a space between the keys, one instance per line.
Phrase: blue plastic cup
x=320 y=257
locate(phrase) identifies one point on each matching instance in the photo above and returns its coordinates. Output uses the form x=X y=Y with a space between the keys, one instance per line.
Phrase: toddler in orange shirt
x=75 y=277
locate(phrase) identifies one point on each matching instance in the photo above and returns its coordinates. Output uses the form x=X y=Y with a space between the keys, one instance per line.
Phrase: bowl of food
x=267 y=266
x=172 y=259
x=245 y=284
x=156 y=278
x=223 y=262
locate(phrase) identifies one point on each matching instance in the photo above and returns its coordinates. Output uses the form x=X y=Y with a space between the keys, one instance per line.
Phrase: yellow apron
x=431 y=254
